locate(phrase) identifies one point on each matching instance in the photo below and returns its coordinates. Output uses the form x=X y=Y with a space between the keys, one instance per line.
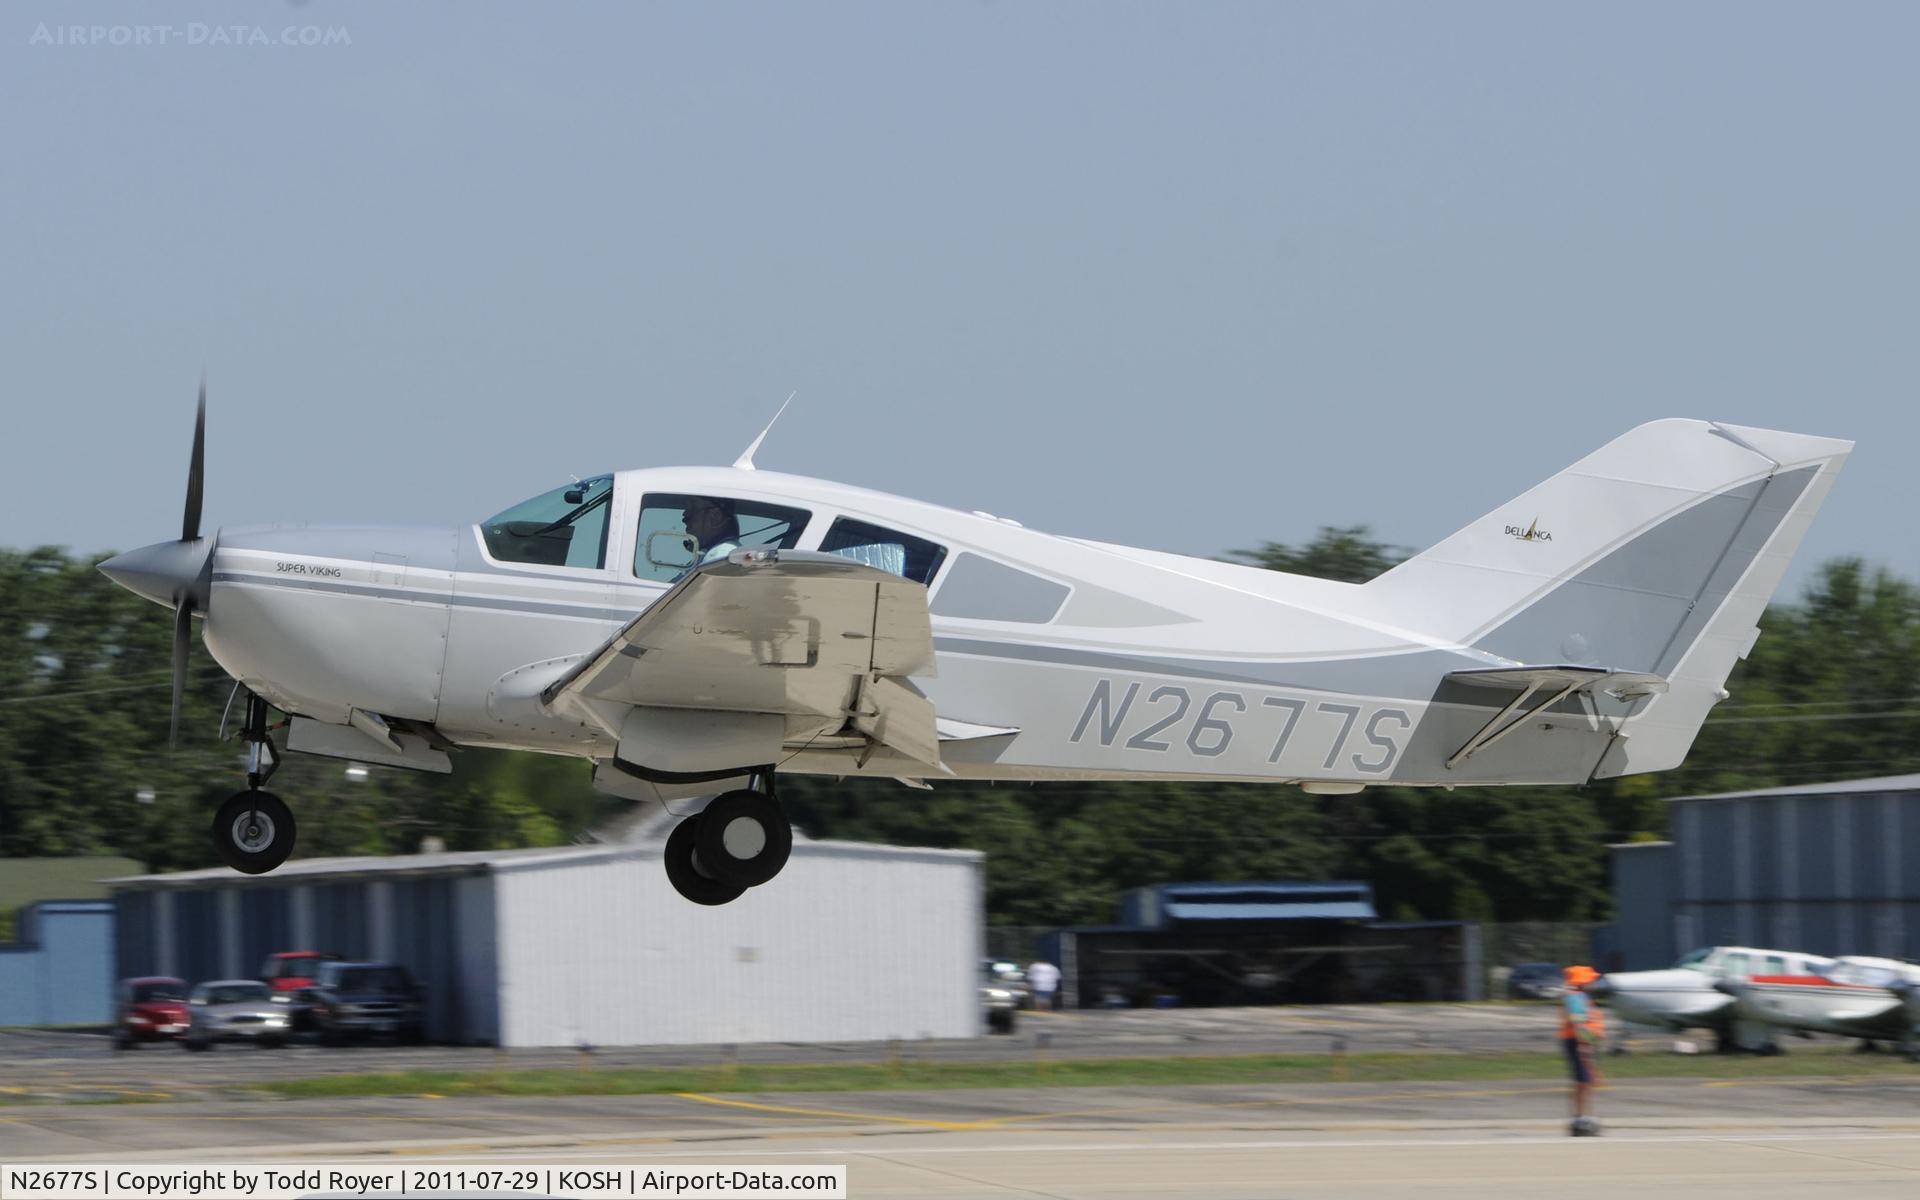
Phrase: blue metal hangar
x=590 y=944
x=1824 y=868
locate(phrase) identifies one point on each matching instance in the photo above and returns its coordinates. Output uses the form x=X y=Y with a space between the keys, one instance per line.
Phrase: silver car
x=235 y=1010
x=1010 y=977
x=997 y=1004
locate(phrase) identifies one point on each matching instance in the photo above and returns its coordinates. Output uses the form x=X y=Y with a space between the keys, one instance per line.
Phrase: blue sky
x=1187 y=276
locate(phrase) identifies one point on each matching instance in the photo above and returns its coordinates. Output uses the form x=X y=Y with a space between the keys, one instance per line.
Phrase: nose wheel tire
x=686 y=871
x=743 y=838
x=253 y=832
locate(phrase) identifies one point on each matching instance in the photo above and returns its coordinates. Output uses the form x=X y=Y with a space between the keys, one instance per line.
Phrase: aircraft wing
x=821 y=640
x=1870 y=1015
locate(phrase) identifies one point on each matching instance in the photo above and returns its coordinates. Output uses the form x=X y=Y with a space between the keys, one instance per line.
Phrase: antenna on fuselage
x=745 y=461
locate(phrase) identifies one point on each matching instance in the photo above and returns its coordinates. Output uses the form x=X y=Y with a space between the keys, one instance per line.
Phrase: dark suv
x=290 y=973
x=364 y=999
x=1535 y=981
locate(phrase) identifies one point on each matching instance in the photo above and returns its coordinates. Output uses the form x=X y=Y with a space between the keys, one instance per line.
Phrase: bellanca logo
x=1532 y=533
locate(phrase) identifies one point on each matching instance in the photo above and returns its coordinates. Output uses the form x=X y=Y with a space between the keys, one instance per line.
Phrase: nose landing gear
x=254 y=831
x=740 y=840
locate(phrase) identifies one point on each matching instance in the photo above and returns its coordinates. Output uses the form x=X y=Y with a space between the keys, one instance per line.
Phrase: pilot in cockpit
x=713 y=524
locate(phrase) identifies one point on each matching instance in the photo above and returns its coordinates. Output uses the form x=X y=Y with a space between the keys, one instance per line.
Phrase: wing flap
x=892 y=714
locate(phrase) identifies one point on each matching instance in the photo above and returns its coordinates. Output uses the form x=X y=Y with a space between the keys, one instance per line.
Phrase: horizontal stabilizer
x=1542 y=687
x=1566 y=680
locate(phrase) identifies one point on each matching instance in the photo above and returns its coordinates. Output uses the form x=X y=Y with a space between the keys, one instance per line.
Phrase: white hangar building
x=590 y=944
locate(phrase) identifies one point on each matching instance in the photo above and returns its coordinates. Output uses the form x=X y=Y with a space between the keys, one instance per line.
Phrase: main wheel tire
x=743 y=838
x=685 y=874
x=254 y=832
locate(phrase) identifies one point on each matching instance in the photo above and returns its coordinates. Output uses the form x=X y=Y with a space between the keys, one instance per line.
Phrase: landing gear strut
x=740 y=840
x=253 y=831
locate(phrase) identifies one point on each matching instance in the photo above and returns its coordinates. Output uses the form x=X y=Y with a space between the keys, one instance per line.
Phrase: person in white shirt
x=1044 y=978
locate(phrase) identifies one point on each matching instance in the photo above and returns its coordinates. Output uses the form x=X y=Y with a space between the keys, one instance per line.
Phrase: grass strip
x=1104 y=1072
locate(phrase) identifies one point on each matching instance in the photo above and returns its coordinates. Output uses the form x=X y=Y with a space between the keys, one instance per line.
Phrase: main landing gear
x=254 y=831
x=740 y=840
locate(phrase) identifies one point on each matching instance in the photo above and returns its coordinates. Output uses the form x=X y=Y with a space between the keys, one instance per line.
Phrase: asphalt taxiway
x=1857 y=1135
x=1706 y=1138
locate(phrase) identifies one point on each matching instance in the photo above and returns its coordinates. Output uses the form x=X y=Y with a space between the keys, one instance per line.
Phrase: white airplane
x=693 y=630
x=1699 y=991
x=1873 y=999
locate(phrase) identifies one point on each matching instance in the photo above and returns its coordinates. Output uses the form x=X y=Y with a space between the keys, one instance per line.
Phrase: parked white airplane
x=1874 y=999
x=692 y=629
x=1698 y=992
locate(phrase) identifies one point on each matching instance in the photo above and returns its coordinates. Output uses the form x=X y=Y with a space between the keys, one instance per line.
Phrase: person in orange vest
x=1582 y=1029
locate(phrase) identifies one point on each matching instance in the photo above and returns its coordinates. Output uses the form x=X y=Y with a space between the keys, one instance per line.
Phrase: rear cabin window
x=679 y=531
x=888 y=549
x=985 y=590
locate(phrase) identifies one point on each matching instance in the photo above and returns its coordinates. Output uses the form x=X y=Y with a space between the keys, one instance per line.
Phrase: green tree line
x=1828 y=693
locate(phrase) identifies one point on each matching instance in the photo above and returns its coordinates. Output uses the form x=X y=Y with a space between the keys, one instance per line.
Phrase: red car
x=291 y=970
x=290 y=973
x=150 y=1008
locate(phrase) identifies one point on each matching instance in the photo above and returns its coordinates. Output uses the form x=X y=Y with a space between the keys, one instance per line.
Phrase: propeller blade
x=190 y=526
x=182 y=642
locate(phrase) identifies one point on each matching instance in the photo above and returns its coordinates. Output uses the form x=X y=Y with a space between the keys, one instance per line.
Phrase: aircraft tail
x=1655 y=554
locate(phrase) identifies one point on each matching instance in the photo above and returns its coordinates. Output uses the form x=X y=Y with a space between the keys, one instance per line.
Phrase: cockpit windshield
x=1697 y=961
x=566 y=527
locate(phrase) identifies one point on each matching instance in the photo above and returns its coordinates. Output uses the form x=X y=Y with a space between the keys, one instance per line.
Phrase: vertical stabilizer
x=1657 y=553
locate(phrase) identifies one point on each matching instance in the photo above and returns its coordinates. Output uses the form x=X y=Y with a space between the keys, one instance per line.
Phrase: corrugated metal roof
x=1335 y=911
x=1274 y=887
x=28 y=879
x=1842 y=787
x=473 y=862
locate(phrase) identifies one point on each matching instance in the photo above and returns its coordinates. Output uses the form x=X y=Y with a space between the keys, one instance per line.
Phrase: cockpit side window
x=680 y=531
x=1695 y=961
x=888 y=549
x=566 y=527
